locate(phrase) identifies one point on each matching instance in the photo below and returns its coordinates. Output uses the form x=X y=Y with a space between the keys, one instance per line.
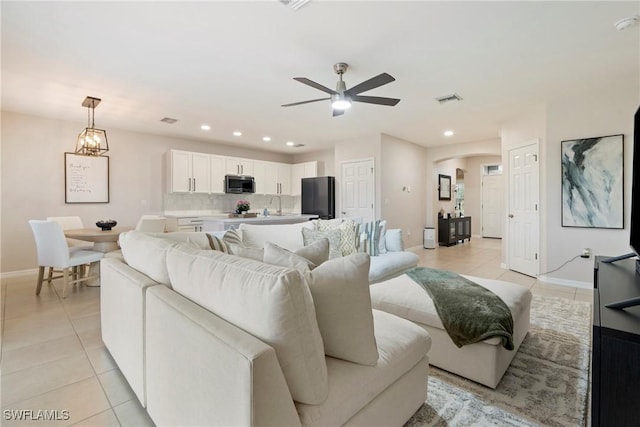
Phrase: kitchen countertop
x=271 y=219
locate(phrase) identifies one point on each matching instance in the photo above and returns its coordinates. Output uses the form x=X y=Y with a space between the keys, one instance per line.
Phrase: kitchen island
x=221 y=223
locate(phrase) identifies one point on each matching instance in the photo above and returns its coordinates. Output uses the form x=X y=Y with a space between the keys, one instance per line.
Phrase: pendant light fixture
x=92 y=141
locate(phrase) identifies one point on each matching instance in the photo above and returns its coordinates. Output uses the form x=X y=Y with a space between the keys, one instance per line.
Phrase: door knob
x=510 y=215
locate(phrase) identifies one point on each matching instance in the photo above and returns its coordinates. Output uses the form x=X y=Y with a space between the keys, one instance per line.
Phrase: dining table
x=103 y=241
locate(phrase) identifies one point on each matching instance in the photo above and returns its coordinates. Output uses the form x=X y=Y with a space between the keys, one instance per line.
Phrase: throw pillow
x=275 y=255
x=382 y=247
x=348 y=233
x=310 y=236
x=340 y=290
x=217 y=244
x=233 y=236
x=317 y=252
x=372 y=236
x=394 y=240
x=245 y=252
x=328 y=224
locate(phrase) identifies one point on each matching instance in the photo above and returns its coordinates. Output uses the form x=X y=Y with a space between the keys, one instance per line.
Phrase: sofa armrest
x=202 y=370
x=122 y=294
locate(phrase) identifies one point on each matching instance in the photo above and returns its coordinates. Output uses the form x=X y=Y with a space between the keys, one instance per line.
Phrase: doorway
x=358 y=189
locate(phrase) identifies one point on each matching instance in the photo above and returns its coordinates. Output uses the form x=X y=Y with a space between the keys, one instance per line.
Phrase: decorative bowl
x=106 y=225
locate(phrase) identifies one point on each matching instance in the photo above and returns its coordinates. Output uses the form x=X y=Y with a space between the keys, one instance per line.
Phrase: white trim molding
x=565 y=282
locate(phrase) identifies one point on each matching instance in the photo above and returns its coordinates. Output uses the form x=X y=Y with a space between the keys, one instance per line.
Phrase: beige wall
x=403 y=187
x=33 y=178
x=325 y=159
x=447 y=167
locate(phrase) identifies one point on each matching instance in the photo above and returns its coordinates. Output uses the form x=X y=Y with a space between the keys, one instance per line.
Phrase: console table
x=452 y=230
x=615 y=382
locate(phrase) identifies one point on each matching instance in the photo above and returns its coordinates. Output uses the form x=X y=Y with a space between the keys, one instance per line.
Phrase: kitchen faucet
x=279 y=211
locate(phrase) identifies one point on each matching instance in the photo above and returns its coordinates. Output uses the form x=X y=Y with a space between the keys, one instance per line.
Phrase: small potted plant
x=242 y=206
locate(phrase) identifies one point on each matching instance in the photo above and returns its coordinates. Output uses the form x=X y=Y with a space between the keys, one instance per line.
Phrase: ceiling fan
x=341 y=98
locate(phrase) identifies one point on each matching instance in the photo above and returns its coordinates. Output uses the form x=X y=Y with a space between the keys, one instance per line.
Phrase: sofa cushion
x=401 y=346
x=287 y=236
x=196 y=238
x=270 y=302
x=147 y=254
x=317 y=252
x=391 y=264
x=340 y=290
x=310 y=236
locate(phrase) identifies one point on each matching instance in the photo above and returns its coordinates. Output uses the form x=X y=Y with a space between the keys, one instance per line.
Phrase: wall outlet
x=408 y=233
x=586 y=253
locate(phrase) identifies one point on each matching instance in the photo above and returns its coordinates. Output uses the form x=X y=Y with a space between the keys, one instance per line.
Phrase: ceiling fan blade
x=304 y=102
x=379 y=100
x=372 y=83
x=313 y=84
x=337 y=112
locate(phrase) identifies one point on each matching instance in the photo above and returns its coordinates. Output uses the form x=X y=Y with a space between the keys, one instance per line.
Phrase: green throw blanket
x=469 y=312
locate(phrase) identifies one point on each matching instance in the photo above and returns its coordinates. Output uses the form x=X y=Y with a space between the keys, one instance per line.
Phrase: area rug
x=547 y=383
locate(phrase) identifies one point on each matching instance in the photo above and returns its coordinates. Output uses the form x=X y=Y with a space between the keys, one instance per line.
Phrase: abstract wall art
x=592 y=182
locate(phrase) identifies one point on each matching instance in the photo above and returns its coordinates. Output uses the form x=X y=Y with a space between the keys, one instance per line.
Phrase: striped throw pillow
x=217 y=244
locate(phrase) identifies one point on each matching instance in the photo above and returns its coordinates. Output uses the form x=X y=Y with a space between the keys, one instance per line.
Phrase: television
x=634 y=228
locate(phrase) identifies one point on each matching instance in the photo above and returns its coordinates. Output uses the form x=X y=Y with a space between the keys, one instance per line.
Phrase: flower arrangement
x=242 y=205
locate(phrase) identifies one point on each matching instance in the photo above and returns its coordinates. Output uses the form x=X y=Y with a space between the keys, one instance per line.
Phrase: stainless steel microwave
x=239 y=184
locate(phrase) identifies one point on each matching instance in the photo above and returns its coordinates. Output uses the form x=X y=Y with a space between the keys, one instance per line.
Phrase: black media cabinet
x=615 y=385
x=452 y=230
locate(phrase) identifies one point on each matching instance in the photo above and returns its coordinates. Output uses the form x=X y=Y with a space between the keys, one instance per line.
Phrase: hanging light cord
x=556 y=269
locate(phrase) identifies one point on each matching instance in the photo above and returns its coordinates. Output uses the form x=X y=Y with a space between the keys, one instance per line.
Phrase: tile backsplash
x=227 y=202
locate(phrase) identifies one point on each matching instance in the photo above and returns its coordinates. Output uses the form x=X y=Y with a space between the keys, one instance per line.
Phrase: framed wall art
x=86 y=178
x=444 y=187
x=593 y=182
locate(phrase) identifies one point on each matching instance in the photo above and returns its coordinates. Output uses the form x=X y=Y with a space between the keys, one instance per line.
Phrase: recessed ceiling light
x=237 y=133
x=266 y=138
x=291 y=143
x=448 y=133
x=205 y=127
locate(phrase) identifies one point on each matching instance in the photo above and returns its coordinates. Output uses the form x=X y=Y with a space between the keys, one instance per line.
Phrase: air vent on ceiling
x=447 y=98
x=294 y=4
x=168 y=120
x=298 y=145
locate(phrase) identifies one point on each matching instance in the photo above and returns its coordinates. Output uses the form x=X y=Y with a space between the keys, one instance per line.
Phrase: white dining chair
x=72 y=223
x=54 y=252
x=152 y=224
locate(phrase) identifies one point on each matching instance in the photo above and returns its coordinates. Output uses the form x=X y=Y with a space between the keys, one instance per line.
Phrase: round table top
x=96 y=234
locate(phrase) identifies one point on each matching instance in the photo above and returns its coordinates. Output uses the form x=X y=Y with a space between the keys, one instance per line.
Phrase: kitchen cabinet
x=453 y=230
x=299 y=171
x=284 y=179
x=184 y=223
x=189 y=172
x=272 y=178
x=238 y=166
x=218 y=171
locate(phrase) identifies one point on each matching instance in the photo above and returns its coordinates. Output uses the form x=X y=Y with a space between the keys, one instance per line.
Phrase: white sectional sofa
x=206 y=338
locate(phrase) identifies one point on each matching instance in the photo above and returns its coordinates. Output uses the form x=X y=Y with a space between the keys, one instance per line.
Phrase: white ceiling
x=230 y=64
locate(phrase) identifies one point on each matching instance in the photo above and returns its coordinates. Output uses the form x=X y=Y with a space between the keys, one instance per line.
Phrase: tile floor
x=53 y=358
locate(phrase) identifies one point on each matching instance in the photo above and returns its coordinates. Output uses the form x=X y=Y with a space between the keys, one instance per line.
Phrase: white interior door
x=492 y=205
x=523 y=218
x=357 y=189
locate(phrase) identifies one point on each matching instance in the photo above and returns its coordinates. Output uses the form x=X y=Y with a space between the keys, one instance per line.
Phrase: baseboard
x=19 y=273
x=566 y=282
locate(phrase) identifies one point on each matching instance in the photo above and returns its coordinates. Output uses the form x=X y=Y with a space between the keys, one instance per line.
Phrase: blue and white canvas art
x=592 y=182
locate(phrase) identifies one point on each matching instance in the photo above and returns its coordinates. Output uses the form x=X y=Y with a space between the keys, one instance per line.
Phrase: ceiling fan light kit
x=341 y=98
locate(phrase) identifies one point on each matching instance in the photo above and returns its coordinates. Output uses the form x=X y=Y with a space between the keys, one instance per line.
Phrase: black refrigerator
x=319 y=196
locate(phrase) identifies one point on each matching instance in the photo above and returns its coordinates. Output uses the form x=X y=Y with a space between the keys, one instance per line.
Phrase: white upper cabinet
x=299 y=171
x=284 y=179
x=217 y=174
x=189 y=172
x=238 y=166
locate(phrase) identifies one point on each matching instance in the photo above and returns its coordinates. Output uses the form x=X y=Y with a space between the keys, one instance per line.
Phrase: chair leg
x=40 y=279
x=50 y=279
x=65 y=278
